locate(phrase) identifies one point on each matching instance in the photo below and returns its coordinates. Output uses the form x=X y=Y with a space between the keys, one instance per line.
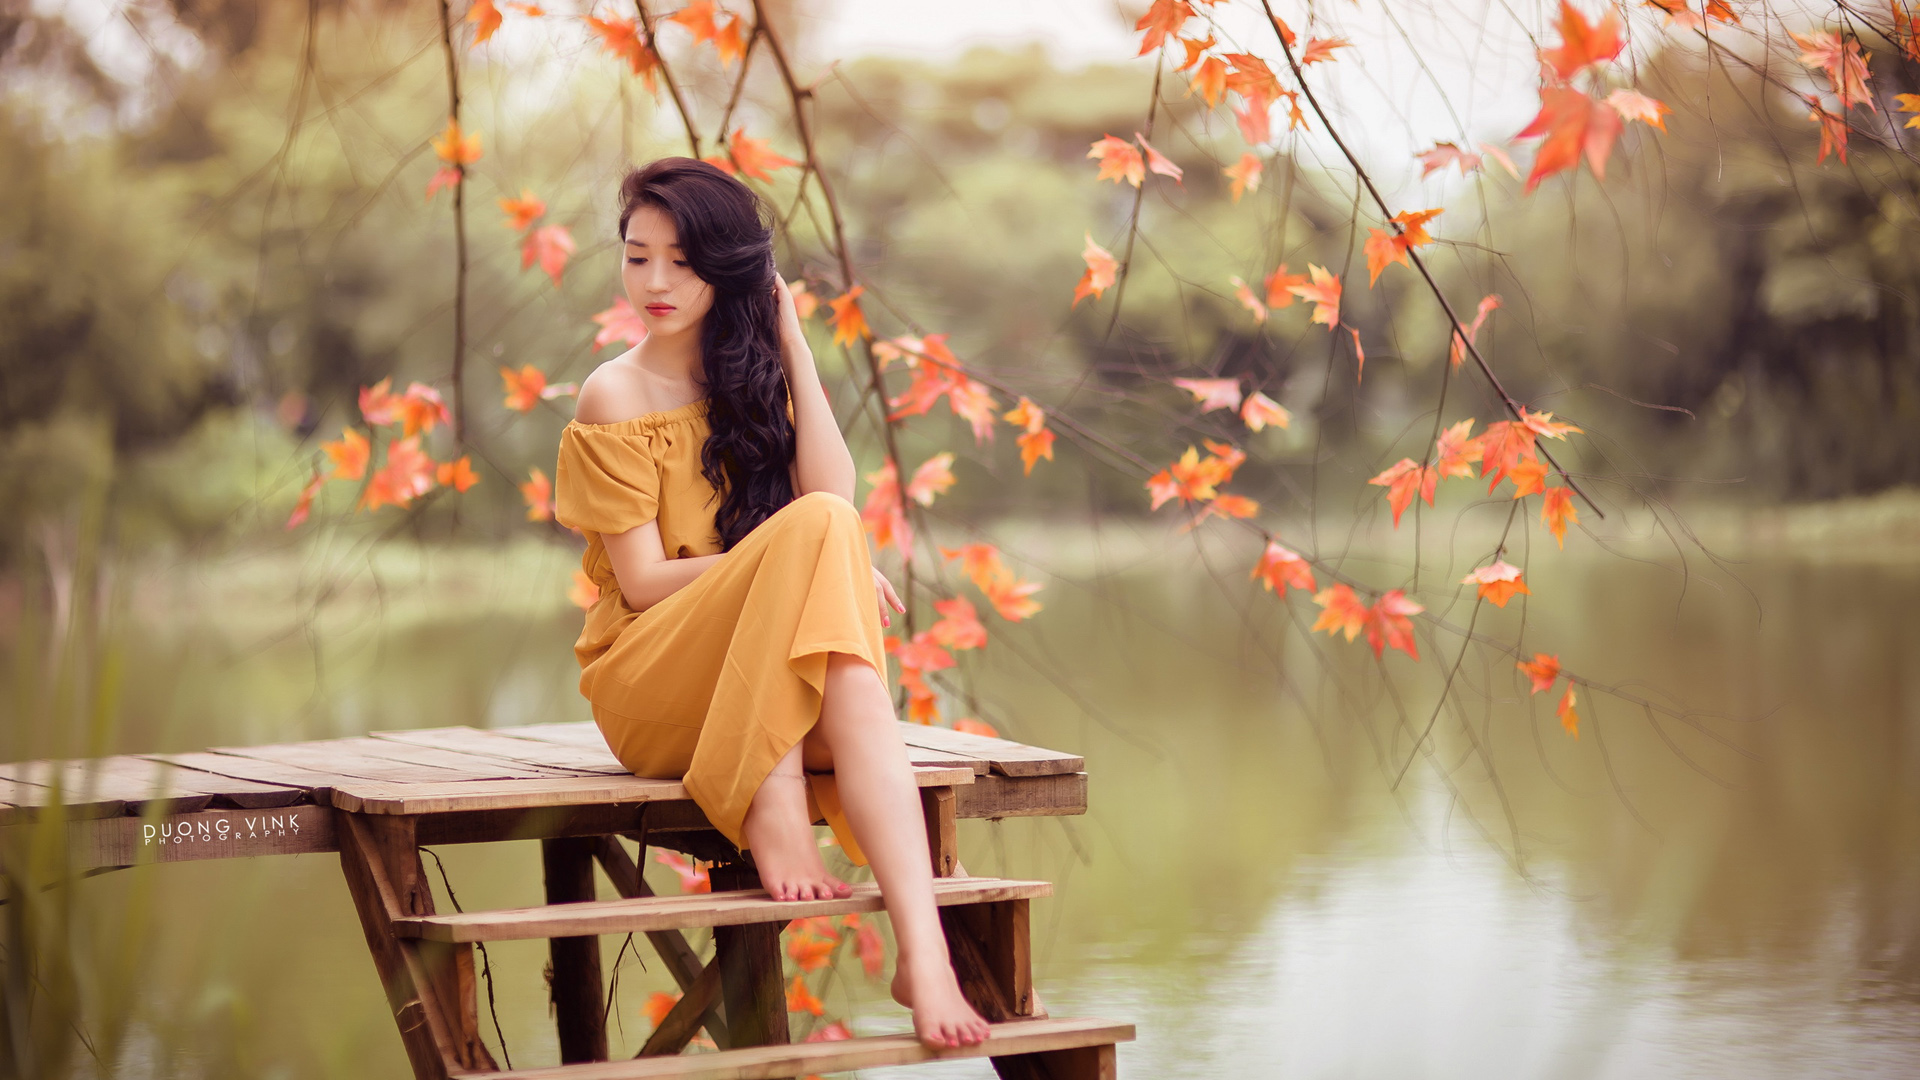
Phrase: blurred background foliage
x=203 y=264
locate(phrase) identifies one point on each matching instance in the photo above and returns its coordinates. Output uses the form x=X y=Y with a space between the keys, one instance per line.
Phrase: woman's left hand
x=883 y=590
x=793 y=337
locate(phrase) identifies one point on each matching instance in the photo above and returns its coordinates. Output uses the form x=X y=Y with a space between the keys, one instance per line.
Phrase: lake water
x=1730 y=892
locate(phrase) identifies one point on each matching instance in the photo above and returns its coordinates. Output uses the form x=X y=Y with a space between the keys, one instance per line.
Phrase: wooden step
x=642 y=913
x=800 y=1059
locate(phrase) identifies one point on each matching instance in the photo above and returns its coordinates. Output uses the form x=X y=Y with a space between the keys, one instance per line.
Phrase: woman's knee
x=817 y=509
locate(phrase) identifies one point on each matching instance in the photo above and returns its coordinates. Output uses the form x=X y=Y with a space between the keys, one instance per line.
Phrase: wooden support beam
x=939 y=805
x=381 y=863
x=992 y=954
x=678 y=956
x=752 y=989
x=687 y=1016
x=1076 y=1063
x=577 y=995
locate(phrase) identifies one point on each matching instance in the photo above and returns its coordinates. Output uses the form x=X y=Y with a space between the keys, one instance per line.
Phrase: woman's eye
x=635 y=260
x=680 y=262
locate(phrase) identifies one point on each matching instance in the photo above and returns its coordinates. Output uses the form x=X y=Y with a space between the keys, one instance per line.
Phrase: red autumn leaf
x=933 y=477
x=621 y=37
x=870 y=948
x=455 y=148
x=1118 y=161
x=538 y=492
x=1253 y=80
x=810 y=952
x=1359 y=354
x=1841 y=59
x=522 y=212
x=752 y=157
x=1402 y=479
x=1012 y=598
x=550 y=245
x=1210 y=81
x=1498 y=583
x=971 y=726
x=408 y=474
x=693 y=877
x=378 y=404
x=485 y=19
x=833 y=1032
x=1279 y=568
x=1541 y=671
x=305 y=504
x=1189 y=478
x=1529 y=476
x=1279 y=285
x=1634 y=105
x=458 y=475
x=619 y=323
x=1455 y=451
x=1319 y=49
x=1556 y=510
x=1247 y=300
x=531 y=11
x=523 y=387
x=583 y=593
x=1569 y=717
x=1384 y=247
x=1101 y=269
x=1833 y=134
x=1389 y=625
x=444 y=177
x=1255 y=122
x=1212 y=393
x=1195 y=47
x=350 y=455
x=1443 y=155
x=1583 y=42
x=658 y=1005
x=883 y=513
x=1259 y=410
x=1228 y=505
x=959 y=626
x=848 y=322
x=1034 y=445
x=1162 y=20
x=1504 y=445
x=1574 y=124
x=1343 y=612
x=801 y=999
x=979 y=561
x=420 y=408
x=1542 y=423
x=1324 y=293
x=1156 y=162
x=1680 y=11
x=1457 y=350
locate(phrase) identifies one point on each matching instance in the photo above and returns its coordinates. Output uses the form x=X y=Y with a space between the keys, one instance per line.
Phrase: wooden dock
x=376 y=799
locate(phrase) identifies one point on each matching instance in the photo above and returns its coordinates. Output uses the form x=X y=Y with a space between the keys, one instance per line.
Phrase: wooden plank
x=444 y=797
x=1007 y=758
x=490 y=744
x=368 y=758
x=873 y=1052
x=1077 y=1063
x=1023 y=796
x=943 y=835
x=130 y=781
x=579 y=733
x=216 y=774
x=719 y=908
x=317 y=785
x=575 y=988
x=920 y=755
x=752 y=985
x=207 y=834
x=21 y=803
x=992 y=956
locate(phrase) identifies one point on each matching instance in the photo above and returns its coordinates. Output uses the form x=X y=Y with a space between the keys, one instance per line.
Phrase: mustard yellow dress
x=716 y=682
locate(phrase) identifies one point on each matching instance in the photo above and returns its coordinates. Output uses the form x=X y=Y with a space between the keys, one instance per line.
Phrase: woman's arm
x=641 y=567
x=821 y=460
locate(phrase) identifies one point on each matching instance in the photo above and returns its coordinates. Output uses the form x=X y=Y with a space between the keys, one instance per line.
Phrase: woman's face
x=668 y=296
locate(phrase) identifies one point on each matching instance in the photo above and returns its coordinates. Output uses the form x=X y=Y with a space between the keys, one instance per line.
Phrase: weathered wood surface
x=1018 y=1037
x=1004 y=756
x=720 y=908
x=752 y=984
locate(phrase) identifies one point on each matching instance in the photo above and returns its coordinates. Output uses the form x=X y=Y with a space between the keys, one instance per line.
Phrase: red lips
x=660 y=309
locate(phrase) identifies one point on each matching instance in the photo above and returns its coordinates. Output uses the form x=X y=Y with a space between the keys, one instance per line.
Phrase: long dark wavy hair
x=726 y=238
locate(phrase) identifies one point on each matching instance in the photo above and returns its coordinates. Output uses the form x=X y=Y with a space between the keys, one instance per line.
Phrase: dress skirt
x=716 y=682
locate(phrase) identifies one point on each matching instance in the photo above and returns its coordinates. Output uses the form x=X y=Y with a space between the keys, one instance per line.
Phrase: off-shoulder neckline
x=647 y=420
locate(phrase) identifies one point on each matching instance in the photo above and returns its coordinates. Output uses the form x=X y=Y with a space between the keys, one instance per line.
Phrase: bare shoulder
x=612 y=392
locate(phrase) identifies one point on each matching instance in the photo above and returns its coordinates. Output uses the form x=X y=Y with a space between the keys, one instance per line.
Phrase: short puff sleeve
x=605 y=482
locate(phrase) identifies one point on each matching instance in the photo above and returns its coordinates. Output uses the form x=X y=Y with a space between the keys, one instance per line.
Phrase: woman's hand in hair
x=883 y=590
x=794 y=349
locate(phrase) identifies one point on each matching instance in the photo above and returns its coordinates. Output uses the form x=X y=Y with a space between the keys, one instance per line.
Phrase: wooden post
x=1079 y=1063
x=678 y=956
x=751 y=985
x=429 y=990
x=993 y=957
x=943 y=838
x=576 y=991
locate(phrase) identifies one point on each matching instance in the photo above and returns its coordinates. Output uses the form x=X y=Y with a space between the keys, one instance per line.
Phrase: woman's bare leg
x=882 y=804
x=780 y=834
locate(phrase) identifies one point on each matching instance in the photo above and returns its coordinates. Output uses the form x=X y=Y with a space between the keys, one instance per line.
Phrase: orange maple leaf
x=550 y=245
x=1280 y=567
x=408 y=474
x=523 y=387
x=1443 y=155
x=1247 y=300
x=1259 y=410
x=1505 y=444
x=1583 y=42
x=1574 y=124
x=659 y=1005
x=455 y=148
x=485 y=19
x=1634 y=105
x=304 y=506
x=1101 y=269
x=1454 y=451
x=1569 y=718
x=1457 y=349
x=1034 y=445
x=1323 y=292
x=848 y=322
x=458 y=475
x=583 y=593
x=1118 y=161
x=973 y=726
x=753 y=158
x=872 y=950
x=378 y=405
x=1529 y=476
x=1498 y=582
x=933 y=477
x=1556 y=509
x=693 y=877
x=1156 y=162
x=522 y=211
x=1210 y=80
x=1343 y=612
x=1389 y=625
x=538 y=492
x=1542 y=423
x=1012 y=598
x=1541 y=670
x=959 y=626
x=1402 y=479
x=1319 y=49
x=1279 y=285
x=1212 y=393
x=350 y=455
x=420 y=408
x=622 y=38
x=1162 y=20
x=1195 y=47
x=883 y=514
x=1841 y=59
x=1833 y=134
x=809 y=952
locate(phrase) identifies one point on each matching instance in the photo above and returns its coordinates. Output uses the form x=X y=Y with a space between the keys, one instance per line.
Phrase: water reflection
x=1701 y=896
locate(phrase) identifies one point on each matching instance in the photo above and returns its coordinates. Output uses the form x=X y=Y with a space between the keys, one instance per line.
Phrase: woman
x=737 y=638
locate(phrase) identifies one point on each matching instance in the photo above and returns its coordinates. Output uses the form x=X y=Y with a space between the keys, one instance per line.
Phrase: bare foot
x=780 y=836
x=941 y=1016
